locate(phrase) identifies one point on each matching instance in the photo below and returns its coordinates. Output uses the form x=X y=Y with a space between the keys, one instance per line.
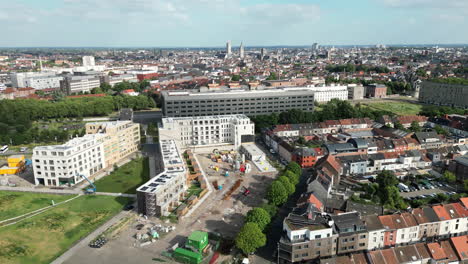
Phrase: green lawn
x=399 y=108
x=14 y=204
x=125 y=179
x=44 y=237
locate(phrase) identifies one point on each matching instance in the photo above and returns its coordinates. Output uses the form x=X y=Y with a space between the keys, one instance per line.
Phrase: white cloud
x=427 y=3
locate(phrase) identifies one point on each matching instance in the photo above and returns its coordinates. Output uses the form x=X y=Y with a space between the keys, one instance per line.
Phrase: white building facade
x=327 y=93
x=208 y=130
x=63 y=164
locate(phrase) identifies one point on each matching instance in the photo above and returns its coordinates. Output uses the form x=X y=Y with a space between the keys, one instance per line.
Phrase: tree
x=294 y=167
x=105 y=87
x=439 y=130
x=96 y=90
x=398 y=125
x=301 y=140
x=272 y=76
x=235 y=78
x=465 y=185
x=415 y=127
x=250 y=238
x=276 y=193
x=449 y=177
x=290 y=188
x=293 y=177
x=259 y=216
x=388 y=192
x=270 y=208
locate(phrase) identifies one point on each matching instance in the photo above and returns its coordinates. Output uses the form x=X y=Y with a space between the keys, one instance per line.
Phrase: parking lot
x=447 y=189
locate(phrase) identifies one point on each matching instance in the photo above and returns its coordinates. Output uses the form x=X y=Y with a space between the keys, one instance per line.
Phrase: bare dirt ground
x=214 y=215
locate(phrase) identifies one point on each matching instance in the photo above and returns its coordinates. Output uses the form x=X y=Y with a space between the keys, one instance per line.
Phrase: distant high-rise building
x=228 y=48
x=315 y=46
x=241 y=51
x=88 y=61
x=262 y=53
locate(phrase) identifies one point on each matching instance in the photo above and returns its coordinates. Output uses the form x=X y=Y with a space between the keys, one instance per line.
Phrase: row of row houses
x=453 y=251
x=310 y=233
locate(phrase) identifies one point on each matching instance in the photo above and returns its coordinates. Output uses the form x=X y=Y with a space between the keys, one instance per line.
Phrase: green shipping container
x=198 y=240
x=186 y=256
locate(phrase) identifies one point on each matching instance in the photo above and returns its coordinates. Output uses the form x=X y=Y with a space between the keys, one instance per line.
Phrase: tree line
x=18 y=115
x=252 y=234
x=356 y=68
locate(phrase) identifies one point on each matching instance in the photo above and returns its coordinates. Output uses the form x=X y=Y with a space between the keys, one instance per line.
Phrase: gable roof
x=461 y=246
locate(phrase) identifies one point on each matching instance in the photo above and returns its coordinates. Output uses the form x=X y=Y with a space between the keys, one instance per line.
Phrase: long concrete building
x=104 y=145
x=236 y=101
x=454 y=95
x=208 y=130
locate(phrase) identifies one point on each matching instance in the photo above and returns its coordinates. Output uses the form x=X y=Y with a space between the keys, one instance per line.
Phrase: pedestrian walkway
x=22 y=217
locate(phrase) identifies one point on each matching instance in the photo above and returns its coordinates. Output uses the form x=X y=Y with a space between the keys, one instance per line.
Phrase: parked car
x=23 y=149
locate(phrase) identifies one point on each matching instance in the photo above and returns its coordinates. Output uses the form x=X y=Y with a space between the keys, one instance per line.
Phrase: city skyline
x=209 y=23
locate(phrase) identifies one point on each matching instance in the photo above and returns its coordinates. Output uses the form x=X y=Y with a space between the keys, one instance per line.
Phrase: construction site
x=222 y=186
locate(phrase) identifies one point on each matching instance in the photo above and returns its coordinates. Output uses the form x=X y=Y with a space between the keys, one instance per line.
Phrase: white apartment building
x=36 y=80
x=160 y=195
x=122 y=138
x=104 y=145
x=327 y=93
x=46 y=82
x=77 y=84
x=63 y=164
x=208 y=130
x=88 y=61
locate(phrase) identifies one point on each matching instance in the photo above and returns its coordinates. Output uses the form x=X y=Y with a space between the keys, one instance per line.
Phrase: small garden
x=125 y=179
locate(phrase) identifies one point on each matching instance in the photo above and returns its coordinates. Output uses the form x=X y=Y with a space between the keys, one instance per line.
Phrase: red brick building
x=376 y=91
x=305 y=157
x=147 y=76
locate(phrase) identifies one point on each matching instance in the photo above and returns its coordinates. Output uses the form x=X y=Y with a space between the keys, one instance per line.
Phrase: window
x=305 y=254
x=319 y=244
x=318 y=236
x=362 y=244
x=362 y=236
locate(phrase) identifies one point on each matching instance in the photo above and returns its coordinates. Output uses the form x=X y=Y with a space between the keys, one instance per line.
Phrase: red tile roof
x=441 y=213
x=313 y=200
x=436 y=251
x=464 y=201
x=389 y=256
x=461 y=246
x=449 y=250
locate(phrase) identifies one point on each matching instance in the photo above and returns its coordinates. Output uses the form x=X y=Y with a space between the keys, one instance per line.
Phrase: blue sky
x=195 y=23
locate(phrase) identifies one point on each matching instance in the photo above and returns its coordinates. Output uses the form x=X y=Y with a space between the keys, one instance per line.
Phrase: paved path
x=34 y=213
x=85 y=241
x=57 y=191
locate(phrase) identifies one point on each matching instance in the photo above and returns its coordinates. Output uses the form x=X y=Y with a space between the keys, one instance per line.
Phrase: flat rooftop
x=174 y=119
x=79 y=141
x=173 y=167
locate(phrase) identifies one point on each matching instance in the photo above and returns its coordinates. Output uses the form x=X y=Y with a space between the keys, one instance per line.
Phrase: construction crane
x=88 y=190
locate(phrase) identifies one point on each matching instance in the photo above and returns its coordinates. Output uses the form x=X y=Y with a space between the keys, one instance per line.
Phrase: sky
x=210 y=23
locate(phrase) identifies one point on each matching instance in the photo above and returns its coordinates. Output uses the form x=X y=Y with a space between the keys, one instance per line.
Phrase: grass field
x=44 y=237
x=126 y=178
x=17 y=203
x=399 y=108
